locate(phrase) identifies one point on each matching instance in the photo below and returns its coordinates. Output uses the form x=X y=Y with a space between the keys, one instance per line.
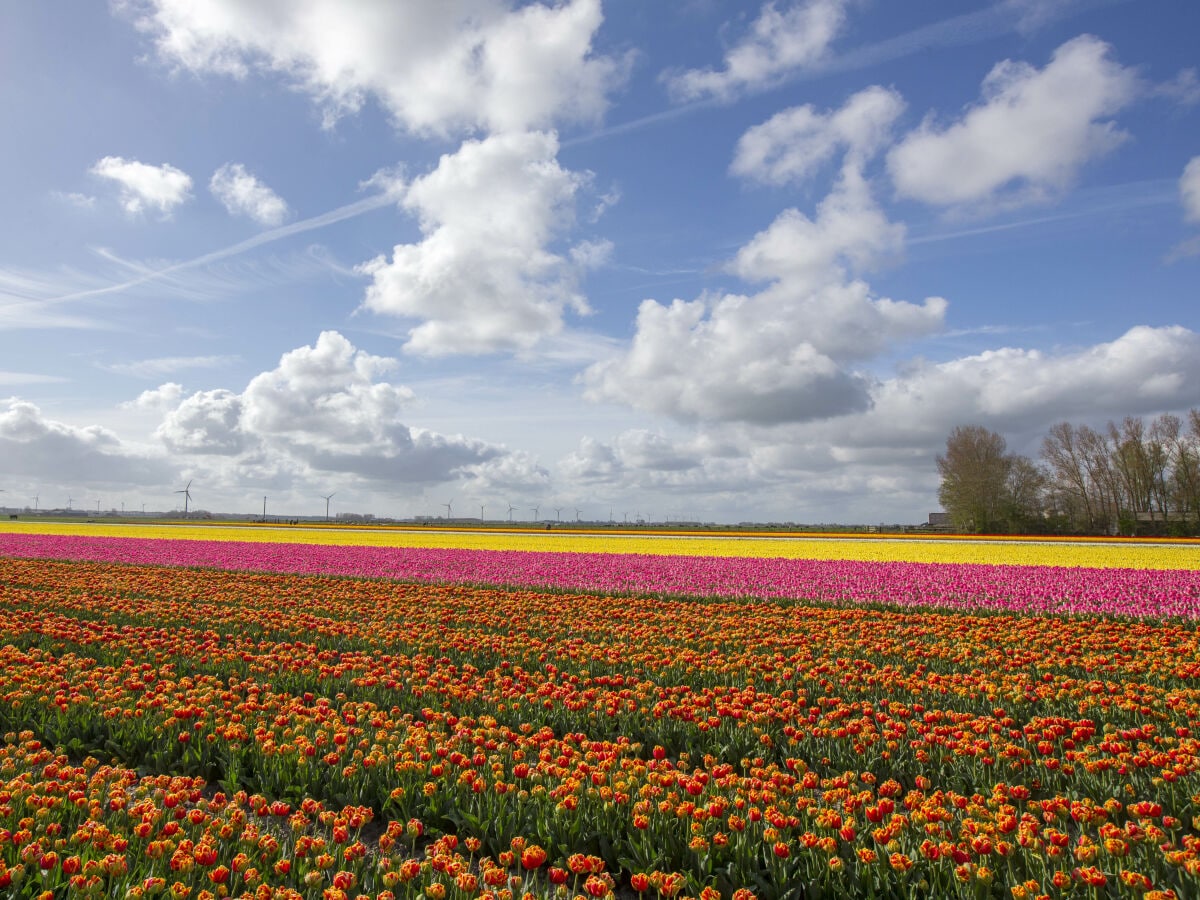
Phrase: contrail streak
x=349 y=211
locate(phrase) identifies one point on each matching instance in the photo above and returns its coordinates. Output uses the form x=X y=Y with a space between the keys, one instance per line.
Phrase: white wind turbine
x=187 y=496
x=511 y=509
x=327 y=498
x=447 y=505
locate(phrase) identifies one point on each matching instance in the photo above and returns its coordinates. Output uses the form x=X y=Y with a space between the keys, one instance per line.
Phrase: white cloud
x=1189 y=195
x=83 y=201
x=592 y=254
x=655 y=451
x=515 y=471
x=594 y=462
x=322 y=409
x=1189 y=189
x=1143 y=371
x=778 y=43
x=793 y=144
x=787 y=353
x=36 y=448
x=205 y=422
x=327 y=390
x=492 y=272
x=730 y=468
x=161 y=187
x=436 y=67
x=604 y=202
x=1027 y=138
x=165 y=365
x=1184 y=88
x=162 y=398
x=806 y=254
x=483 y=279
x=876 y=464
x=244 y=195
x=638 y=457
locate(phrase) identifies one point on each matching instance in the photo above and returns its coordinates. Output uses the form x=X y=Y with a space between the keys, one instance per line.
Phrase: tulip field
x=325 y=713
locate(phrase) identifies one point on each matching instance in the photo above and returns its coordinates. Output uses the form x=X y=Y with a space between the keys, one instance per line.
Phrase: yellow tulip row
x=991 y=551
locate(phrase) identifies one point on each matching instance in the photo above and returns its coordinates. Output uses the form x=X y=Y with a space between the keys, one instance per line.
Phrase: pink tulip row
x=1124 y=592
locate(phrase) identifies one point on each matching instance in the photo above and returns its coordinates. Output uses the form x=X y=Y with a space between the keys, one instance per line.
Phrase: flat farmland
x=303 y=712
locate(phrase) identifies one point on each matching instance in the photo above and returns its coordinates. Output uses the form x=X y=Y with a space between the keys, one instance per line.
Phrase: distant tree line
x=1133 y=478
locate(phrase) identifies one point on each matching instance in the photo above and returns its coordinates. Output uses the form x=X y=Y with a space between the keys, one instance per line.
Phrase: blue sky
x=709 y=259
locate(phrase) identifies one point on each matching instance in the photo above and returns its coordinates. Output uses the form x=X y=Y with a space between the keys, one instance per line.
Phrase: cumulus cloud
x=242 y=194
x=806 y=254
x=323 y=408
x=517 y=470
x=689 y=471
x=35 y=447
x=1189 y=189
x=1143 y=371
x=205 y=422
x=164 y=397
x=876 y=464
x=492 y=273
x=787 y=353
x=145 y=186
x=793 y=144
x=779 y=42
x=593 y=462
x=637 y=450
x=483 y=279
x=781 y=474
x=328 y=392
x=653 y=450
x=1027 y=138
x=436 y=67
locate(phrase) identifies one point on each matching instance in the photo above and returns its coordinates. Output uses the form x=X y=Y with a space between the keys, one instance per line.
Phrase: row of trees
x=1132 y=478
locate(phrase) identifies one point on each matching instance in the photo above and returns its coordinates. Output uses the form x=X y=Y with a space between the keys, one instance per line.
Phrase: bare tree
x=1159 y=464
x=1185 y=452
x=1126 y=476
x=1103 y=482
x=1068 y=475
x=1139 y=475
x=1131 y=471
x=1024 y=493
